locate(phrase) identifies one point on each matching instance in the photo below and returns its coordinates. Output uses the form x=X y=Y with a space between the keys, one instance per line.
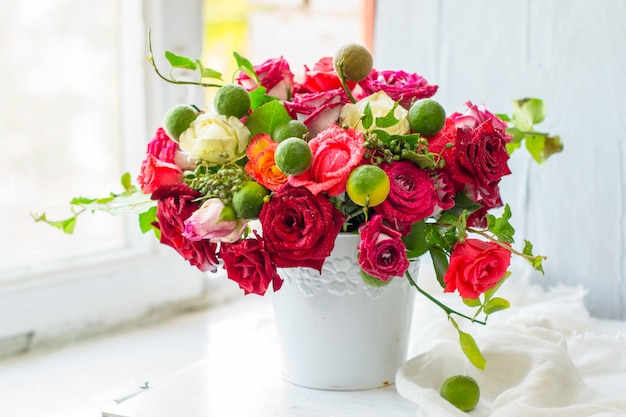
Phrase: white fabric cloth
x=537 y=354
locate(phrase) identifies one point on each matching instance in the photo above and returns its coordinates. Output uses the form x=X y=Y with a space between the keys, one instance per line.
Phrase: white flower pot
x=336 y=332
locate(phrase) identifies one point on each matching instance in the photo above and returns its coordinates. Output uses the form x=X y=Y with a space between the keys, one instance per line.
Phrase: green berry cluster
x=379 y=151
x=221 y=183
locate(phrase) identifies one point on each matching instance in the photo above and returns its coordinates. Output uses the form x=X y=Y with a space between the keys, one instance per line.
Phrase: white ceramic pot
x=336 y=332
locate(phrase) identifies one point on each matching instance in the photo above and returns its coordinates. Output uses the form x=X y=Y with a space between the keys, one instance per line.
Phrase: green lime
x=368 y=185
x=427 y=117
x=290 y=129
x=461 y=391
x=373 y=281
x=293 y=156
x=354 y=60
x=177 y=120
x=232 y=100
x=248 y=200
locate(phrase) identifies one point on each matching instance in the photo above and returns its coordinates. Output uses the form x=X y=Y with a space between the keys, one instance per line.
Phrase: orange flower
x=261 y=165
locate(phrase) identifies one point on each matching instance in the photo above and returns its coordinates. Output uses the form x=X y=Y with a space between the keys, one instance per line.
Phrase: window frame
x=51 y=304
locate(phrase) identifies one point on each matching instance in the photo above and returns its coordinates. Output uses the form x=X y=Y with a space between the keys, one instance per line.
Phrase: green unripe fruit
x=293 y=156
x=248 y=200
x=232 y=100
x=177 y=120
x=427 y=117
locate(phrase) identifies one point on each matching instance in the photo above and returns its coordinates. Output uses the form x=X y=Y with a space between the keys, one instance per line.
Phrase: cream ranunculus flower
x=215 y=138
x=380 y=105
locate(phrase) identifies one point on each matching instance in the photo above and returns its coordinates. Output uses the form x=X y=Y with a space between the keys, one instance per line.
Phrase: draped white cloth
x=538 y=355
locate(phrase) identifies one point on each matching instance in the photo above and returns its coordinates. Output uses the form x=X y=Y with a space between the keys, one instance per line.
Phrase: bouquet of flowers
x=348 y=149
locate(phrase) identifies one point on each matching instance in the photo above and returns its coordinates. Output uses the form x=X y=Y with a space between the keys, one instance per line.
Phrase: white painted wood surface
x=570 y=53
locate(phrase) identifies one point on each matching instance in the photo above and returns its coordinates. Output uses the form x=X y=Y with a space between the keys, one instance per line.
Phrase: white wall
x=570 y=53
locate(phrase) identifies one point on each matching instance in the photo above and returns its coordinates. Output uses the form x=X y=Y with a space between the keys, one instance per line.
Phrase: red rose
x=480 y=155
x=401 y=86
x=299 y=228
x=475 y=267
x=274 y=75
x=176 y=204
x=323 y=77
x=249 y=265
x=475 y=115
x=159 y=168
x=336 y=152
x=317 y=110
x=382 y=253
x=156 y=173
x=412 y=194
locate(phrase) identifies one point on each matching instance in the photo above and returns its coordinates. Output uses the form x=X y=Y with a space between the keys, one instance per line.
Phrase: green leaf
x=415 y=242
x=389 y=119
x=535 y=143
x=246 y=67
x=471 y=302
x=504 y=117
x=496 y=304
x=471 y=350
x=382 y=135
x=258 y=97
x=527 y=112
x=178 y=61
x=266 y=117
x=135 y=202
x=440 y=263
x=534 y=108
x=500 y=226
x=367 y=119
x=535 y=261
x=126 y=181
x=421 y=160
x=208 y=72
x=146 y=219
x=463 y=203
x=67 y=225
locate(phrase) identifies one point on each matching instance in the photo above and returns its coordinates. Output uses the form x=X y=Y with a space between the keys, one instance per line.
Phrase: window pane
x=60 y=125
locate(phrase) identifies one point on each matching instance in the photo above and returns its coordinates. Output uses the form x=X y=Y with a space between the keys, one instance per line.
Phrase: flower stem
x=504 y=245
x=171 y=80
x=444 y=307
x=342 y=80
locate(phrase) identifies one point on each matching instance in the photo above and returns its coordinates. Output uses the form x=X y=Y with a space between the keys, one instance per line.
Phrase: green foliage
x=501 y=227
x=266 y=117
x=526 y=114
x=535 y=261
x=131 y=201
x=470 y=347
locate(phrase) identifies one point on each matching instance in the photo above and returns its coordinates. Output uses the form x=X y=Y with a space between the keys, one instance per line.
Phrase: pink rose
x=382 y=253
x=274 y=74
x=249 y=265
x=176 y=204
x=317 y=110
x=412 y=194
x=401 y=86
x=336 y=152
x=475 y=267
x=162 y=147
x=475 y=115
x=322 y=77
x=156 y=173
x=206 y=223
x=299 y=228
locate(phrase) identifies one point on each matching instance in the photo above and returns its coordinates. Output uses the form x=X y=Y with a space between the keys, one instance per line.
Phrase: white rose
x=215 y=138
x=380 y=105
